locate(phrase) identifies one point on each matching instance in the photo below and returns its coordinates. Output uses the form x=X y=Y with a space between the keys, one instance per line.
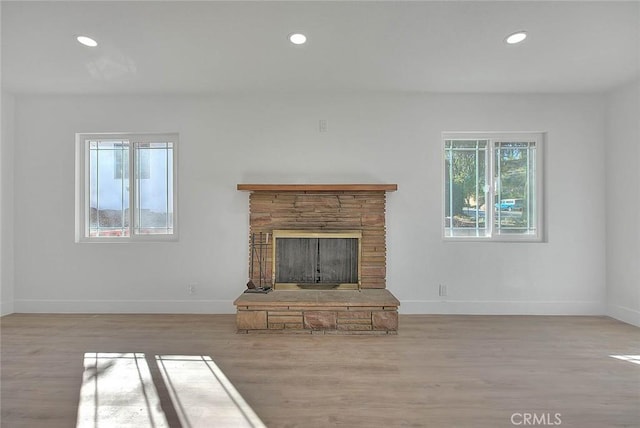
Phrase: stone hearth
x=318 y=312
x=319 y=209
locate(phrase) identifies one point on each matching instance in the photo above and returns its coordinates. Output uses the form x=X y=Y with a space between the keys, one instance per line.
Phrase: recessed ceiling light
x=516 y=37
x=297 y=38
x=87 y=41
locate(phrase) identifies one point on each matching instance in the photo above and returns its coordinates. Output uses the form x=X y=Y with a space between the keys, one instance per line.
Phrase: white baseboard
x=624 y=314
x=449 y=307
x=490 y=307
x=125 y=306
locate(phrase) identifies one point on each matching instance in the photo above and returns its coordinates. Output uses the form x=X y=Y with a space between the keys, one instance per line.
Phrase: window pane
x=143 y=161
x=121 y=162
x=465 y=187
x=515 y=188
x=108 y=192
x=154 y=202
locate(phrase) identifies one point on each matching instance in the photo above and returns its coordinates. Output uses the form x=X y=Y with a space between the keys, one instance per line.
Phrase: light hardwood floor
x=439 y=371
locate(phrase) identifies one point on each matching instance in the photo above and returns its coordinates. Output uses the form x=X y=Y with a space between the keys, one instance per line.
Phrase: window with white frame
x=113 y=204
x=493 y=186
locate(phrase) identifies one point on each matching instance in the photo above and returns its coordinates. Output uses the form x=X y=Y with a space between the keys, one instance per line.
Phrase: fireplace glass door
x=316 y=261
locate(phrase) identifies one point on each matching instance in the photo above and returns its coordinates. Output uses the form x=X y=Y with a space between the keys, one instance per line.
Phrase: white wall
x=623 y=203
x=6 y=204
x=380 y=138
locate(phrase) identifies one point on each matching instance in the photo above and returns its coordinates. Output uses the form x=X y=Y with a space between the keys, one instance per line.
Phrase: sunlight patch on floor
x=631 y=358
x=121 y=390
x=202 y=395
x=118 y=391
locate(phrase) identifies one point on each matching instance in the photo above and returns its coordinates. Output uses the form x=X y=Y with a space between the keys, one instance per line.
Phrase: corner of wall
x=624 y=314
x=7 y=119
x=622 y=140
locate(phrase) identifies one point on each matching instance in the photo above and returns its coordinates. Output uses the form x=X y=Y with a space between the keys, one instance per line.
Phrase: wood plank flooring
x=439 y=371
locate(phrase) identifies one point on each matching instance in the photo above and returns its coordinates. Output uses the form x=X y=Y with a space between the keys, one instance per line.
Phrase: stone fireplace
x=322 y=248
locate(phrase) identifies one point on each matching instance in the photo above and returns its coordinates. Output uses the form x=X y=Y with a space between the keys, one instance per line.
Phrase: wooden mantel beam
x=318 y=187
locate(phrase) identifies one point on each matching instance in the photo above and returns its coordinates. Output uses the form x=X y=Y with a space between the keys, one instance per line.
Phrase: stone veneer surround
x=319 y=208
x=329 y=210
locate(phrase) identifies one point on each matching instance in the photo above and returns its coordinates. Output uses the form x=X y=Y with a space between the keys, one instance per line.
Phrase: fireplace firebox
x=316 y=260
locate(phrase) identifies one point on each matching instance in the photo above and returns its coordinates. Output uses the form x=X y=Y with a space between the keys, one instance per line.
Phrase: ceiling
x=173 y=47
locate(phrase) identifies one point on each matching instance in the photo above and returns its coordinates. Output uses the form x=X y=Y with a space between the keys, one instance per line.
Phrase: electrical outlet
x=442 y=290
x=191 y=288
x=322 y=125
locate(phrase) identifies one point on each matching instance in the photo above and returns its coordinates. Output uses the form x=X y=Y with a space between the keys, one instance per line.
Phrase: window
x=114 y=205
x=493 y=186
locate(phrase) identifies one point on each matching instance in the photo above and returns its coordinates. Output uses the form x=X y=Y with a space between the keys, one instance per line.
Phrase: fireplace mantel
x=318 y=187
